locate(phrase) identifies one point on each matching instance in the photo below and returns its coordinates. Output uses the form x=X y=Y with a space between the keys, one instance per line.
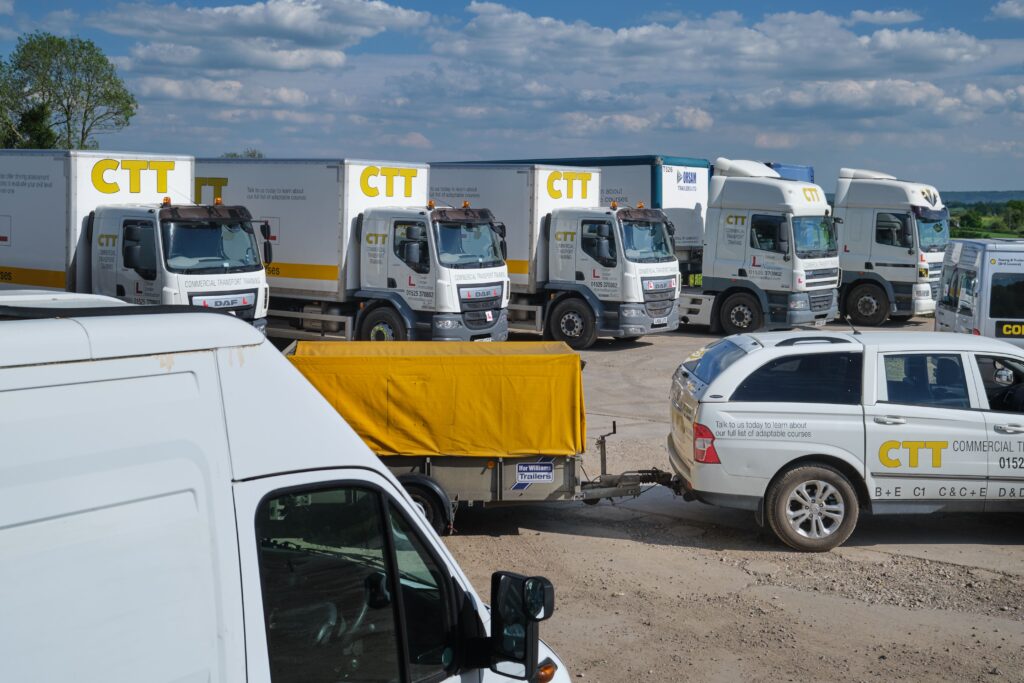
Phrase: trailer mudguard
x=429 y=484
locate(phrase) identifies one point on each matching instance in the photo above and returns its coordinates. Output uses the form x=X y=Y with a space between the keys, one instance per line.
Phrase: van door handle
x=1009 y=429
x=890 y=420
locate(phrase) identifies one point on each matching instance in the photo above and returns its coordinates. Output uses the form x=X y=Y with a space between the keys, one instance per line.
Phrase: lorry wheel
x=432 y=510
x=868 y=305
x=573 y=322
x=383 y=324
x=741 y=313
x=812 y=508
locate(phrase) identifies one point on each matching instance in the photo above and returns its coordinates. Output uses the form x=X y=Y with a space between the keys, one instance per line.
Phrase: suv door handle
x=890 y=420
x=1009 y=429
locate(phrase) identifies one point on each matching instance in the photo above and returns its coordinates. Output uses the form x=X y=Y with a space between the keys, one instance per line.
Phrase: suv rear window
x=808 y=378
x=717 y=357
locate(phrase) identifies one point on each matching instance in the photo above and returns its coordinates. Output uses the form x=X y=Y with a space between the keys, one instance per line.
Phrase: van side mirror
x=518 y=604
x=500 y=229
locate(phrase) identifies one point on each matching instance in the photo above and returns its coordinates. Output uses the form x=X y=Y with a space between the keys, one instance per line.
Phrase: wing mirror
x=268 y=248
x=500 y=229
x=784 y=248
x=518 y=604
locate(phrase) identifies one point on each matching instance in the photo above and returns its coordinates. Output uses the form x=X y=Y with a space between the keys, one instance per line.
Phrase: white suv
x=809 y=429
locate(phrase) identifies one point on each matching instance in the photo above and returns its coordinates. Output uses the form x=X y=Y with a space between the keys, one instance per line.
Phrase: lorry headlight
x=447 y=324
x=799 y=303
x=630 y=312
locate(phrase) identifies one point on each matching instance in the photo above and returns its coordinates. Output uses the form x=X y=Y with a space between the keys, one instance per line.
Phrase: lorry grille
x=658 y=309
x=822 y=276
x=481 y=297
x=821 y=301
x=658 y=288
x=246 y=311
x=477 y=320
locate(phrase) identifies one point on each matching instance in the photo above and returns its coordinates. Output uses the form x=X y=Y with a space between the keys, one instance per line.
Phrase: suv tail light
x=704 y=445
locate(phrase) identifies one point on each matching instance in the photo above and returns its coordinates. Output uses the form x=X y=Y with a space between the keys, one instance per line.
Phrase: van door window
x=411 y=246
x=597 y=239
x=894 y=229
x=766 y=232
x=797 y=379
x=429 y=627
x=1007 y=294
x=1003 y=379
x=350 y=591
x=920 y=379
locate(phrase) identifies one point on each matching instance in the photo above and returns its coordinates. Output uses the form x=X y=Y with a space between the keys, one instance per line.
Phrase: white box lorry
x=361 y=254
x=733 y=281
x=982 y=289
x=578 y=270
x=123 y=225
x=155 y=529
x=893 y=237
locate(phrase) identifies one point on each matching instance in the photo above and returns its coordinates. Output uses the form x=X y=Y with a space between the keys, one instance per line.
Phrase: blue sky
x=928 y=91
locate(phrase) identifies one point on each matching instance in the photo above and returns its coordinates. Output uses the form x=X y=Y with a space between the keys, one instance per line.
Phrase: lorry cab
x=624 y=258
x=893 y=236
x=227 y=548
x=446 y=265
x=982 y=289
x=206 y=256
x=809 y=430
x=770 y=254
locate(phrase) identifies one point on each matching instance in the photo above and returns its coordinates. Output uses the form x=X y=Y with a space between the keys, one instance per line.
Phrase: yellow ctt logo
x=376 y=238
x=217 y=184
x=891 y=452
x=735 y=220
x=369 y=181
x=569 y=178
x=107 y=240
x=565 y=236
x=811 y=194
x=134 y=167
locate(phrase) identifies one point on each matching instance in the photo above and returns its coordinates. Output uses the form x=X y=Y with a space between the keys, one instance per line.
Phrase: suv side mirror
x=518 y=603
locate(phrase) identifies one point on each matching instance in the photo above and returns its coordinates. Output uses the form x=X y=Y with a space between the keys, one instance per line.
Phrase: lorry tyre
x=867 y=305
x=812 y=508
x=741 y=313
x=430 y=504
x=383 y=324
x=573 y=322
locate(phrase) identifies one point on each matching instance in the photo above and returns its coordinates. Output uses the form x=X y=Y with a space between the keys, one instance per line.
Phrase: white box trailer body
x=336 y=227
x=65 y=218
x=181 y=539
x=562 y=287
x=894 y=234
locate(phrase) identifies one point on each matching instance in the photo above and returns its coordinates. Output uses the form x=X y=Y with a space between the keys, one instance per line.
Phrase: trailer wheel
x=572 y=322
x=812 y=508
x=868 y=305
x=431 y=507
x=741 y=313
x=383 y=324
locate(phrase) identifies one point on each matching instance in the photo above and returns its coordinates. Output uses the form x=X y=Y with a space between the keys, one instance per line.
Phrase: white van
x=982 y=289
x=181 y=505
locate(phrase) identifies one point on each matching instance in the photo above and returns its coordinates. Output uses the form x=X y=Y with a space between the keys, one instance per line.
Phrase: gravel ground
x=659 y=589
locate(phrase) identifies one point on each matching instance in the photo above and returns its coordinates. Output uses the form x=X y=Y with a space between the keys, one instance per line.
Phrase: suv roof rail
x=44 y=312
x=793 y=341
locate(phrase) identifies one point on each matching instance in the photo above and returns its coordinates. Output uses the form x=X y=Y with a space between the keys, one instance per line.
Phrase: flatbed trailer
x=465 y=424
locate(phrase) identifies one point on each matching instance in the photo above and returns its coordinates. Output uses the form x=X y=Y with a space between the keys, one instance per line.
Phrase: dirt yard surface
x=658 y=589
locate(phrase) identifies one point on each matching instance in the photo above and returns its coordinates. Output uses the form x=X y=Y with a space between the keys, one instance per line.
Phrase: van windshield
x=1007 y=295
x=468 y=245
x=814 y=236
x=210 y=247
x=646 y=242
x=933 y=231
x=713 y=360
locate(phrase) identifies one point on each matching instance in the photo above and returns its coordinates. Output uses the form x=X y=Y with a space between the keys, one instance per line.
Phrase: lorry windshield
x=814 y=237
x=932 y=229
x=646 y=242
x=210 y=247
x=468 y=245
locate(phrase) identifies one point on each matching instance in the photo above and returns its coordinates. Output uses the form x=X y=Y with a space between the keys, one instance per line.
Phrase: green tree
x=970 y=220
x=31 y=131
x=8 y=107
x=248 y=153
x=76 y=83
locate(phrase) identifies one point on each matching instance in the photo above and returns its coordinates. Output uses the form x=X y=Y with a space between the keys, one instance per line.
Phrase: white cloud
x=222 y=91
x=884 y=17
x=775 y=141
x=1009 y=9
x=413 y=139
x=692 y=118
x=6 y=7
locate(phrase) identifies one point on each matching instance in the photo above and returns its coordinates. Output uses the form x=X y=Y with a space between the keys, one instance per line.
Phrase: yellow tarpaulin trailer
x=453 y=399
x=461 y=422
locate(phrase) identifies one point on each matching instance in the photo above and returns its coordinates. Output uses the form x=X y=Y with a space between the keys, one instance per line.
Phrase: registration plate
x=483 y=339
x=820 y=322
x=661 y=321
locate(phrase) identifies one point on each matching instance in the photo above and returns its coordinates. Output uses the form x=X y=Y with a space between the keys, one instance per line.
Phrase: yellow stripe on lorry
x=516 y=267
x=302 y=271
x=33 y=277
